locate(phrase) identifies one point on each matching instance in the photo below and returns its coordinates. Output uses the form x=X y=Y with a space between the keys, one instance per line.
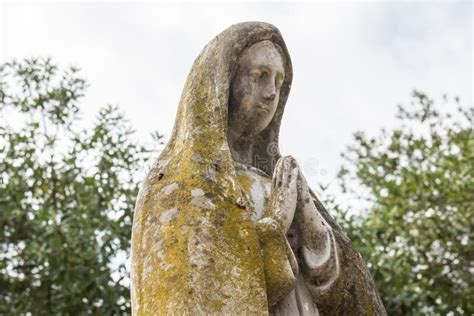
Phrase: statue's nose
x=270 y=96
x=269 y=91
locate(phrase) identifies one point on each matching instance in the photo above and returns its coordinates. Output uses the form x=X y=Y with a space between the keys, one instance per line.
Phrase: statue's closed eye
x=279 y=80
x=255 y=73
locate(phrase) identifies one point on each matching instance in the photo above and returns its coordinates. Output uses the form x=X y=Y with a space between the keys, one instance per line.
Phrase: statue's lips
x=263 y=107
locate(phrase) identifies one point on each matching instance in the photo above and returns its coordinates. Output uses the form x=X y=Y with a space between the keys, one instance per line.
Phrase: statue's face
x=255 y=88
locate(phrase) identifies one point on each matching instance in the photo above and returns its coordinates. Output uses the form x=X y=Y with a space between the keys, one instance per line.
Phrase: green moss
x=279 y=277
x=234 y=265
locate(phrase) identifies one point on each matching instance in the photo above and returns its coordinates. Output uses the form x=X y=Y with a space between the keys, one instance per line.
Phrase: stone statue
x=223 y=223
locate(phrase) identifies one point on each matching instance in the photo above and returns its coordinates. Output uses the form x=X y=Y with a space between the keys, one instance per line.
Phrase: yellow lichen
x=229 y=276
x=279 y=276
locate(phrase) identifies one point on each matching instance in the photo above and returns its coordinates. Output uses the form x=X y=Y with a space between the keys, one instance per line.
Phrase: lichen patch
x=167 y=190
x=169 y=215
x=196 y=192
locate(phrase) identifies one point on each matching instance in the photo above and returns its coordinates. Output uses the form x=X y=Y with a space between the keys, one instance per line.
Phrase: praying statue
x=224 y=224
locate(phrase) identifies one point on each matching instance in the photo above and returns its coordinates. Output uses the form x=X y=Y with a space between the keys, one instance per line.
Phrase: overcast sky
x=353 y=62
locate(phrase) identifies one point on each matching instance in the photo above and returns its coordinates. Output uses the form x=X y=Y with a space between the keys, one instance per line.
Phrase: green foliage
x=66 y=196
x=418 y=233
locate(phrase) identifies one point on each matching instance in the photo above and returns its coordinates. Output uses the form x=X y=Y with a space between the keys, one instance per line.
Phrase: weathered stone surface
x=224 y=224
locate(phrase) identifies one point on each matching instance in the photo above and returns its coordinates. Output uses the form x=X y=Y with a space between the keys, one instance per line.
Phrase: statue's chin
x=252 y=133
x=260 y=129
x=248 y=130
x=256 y=126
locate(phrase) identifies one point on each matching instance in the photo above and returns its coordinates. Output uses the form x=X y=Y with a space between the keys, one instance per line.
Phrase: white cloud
x=353 y=62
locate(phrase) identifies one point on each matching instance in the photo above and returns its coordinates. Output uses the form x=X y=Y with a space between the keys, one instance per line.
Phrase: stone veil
x=195 y=248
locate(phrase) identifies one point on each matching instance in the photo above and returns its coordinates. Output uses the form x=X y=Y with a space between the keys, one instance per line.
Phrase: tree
x=66 y=195
x=418 y=232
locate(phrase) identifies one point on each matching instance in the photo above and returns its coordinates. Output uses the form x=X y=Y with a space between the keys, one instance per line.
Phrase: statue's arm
x=317 y=249
x=335 y=273
x=353 y=291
